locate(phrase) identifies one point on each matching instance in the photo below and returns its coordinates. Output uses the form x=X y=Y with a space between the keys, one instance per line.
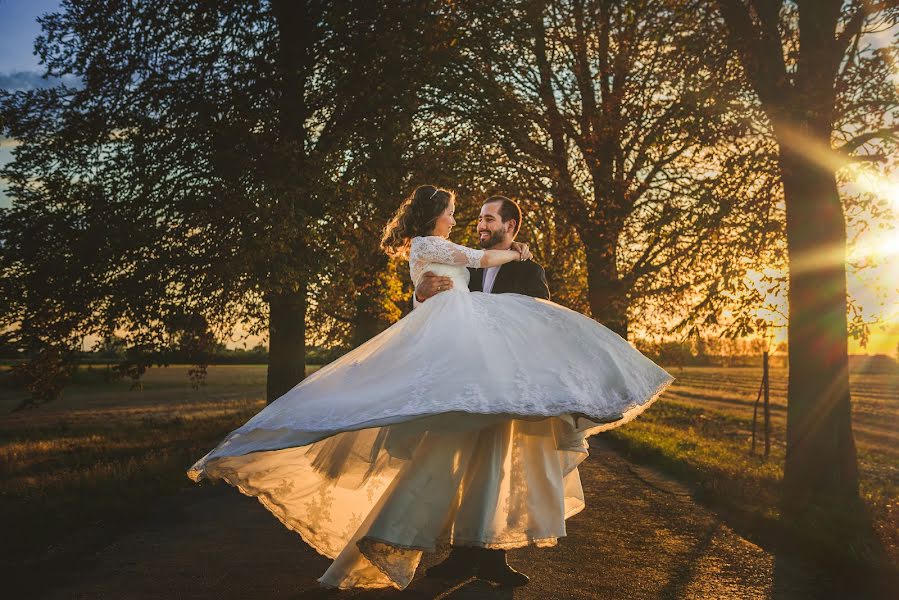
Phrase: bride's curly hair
x=416 y=216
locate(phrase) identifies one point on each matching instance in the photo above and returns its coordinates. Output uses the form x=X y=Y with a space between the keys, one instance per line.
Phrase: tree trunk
x=287 y=342
x=821 y=458
x=606 y=292
x=369 y=297
x=287 y=301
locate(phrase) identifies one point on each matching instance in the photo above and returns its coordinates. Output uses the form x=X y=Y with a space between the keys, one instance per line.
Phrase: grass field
x=73 y=471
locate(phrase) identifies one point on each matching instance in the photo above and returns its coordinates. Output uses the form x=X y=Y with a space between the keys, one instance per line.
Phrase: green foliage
x=45 y=375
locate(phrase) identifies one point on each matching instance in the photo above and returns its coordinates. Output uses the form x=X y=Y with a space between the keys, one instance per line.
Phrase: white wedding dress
x=463 y=423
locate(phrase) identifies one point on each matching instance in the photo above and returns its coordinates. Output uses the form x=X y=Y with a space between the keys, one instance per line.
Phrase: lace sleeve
x=435 y=249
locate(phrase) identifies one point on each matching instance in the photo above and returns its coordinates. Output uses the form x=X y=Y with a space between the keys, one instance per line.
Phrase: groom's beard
x=497 y=237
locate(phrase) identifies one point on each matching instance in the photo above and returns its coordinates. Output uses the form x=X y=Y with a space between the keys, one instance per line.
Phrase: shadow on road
x=684 y=579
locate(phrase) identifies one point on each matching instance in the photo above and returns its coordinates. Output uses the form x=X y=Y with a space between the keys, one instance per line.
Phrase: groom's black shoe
x=494 y=568
x=458 y=565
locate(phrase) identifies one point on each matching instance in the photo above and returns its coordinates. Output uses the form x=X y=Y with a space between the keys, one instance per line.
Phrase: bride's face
x=445 y=221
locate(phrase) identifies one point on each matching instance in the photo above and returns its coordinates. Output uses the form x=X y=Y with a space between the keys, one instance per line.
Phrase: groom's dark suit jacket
x=517 y=277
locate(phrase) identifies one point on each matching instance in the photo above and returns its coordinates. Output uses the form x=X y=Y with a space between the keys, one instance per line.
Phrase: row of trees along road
x=234 y=162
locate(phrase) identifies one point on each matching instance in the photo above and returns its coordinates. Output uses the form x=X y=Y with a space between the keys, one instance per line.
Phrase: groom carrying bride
x=498 y=224
x=463 y=423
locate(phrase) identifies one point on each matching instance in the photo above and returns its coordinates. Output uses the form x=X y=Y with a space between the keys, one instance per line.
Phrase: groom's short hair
x=508 y=210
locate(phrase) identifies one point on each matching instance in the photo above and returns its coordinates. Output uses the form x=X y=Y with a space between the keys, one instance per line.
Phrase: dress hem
x=441 y=544
x=273 y=508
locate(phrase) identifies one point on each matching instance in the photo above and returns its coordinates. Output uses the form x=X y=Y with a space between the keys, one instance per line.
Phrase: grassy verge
x=75 y=472
x=710 y=450
x=60 y=487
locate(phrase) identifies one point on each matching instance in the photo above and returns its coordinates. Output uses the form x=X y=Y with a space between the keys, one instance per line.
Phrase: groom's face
x=491 y=229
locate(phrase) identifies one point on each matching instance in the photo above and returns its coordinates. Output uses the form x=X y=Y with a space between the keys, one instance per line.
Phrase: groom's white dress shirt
x=489 y=279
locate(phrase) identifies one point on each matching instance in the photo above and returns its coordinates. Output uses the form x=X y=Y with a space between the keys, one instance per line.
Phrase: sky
x=18 y=28
x=19 y=69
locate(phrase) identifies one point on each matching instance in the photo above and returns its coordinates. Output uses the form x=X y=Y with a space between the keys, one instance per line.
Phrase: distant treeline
x=705 y=352
x=219 y=355
x=724 y=352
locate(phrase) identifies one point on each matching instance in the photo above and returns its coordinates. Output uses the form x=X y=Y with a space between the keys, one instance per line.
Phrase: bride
x=462 y=424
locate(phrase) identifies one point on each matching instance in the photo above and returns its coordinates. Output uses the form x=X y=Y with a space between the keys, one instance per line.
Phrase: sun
x=886 y=242
x=891 y=194
x=888 y=247
x=889 y=244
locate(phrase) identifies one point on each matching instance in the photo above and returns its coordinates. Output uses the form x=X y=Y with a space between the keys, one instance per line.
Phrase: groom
x=498 y=225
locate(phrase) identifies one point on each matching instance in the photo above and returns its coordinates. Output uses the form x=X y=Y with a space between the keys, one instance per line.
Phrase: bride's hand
x=522 y=249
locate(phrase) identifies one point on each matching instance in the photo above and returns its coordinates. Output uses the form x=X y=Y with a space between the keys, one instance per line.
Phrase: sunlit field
x=701 y=431
x=73 y=471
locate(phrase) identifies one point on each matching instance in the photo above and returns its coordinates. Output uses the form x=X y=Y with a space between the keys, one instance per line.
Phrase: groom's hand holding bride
x=431 y=285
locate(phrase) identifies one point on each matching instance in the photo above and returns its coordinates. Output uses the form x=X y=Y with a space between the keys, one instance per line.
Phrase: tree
x=625 y=117
x=187 y=176
x=809 y=66
x=395 y=146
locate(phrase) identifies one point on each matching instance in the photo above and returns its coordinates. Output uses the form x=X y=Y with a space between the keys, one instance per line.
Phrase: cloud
x=32 y=80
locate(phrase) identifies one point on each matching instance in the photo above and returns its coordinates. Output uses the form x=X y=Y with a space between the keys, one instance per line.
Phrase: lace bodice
x=441 y=256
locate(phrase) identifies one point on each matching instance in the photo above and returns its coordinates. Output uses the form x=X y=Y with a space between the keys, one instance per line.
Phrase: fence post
x=755 y=415
x=765 y=384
